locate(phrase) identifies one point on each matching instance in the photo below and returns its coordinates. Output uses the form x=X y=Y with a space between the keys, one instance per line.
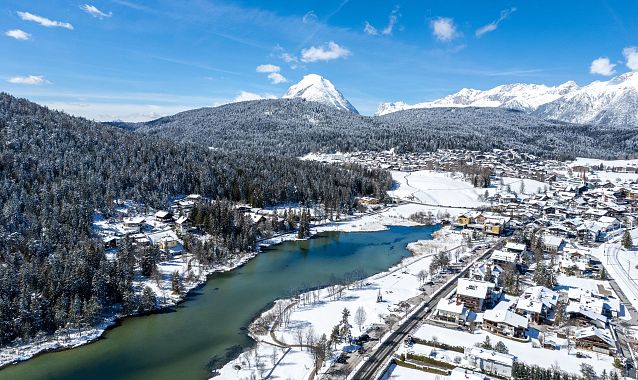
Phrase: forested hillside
x=296 y=127
x=56 y=170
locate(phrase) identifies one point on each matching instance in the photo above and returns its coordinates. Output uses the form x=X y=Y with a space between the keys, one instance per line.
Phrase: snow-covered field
x=397 y=372
x=449 y=190
x=581 y=161
x=525 y=352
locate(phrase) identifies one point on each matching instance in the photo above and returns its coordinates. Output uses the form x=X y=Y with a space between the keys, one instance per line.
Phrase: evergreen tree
x=627 y=241
x=148 y=300
x=176 y=282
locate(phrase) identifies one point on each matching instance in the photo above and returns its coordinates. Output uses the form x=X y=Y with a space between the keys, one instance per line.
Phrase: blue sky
x=136 y=60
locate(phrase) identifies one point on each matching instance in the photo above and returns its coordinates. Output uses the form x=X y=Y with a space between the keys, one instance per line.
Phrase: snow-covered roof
x=134 y=220
x=505 y=316
x=511 y=257
x=595 y=331
x=162 y=214
x=451 y=306
x=608 y=220
x=181 y=220
x=490 y=355
x=534 y=298
x=511 y=246
x=473 y=288
x=552 y=241
x=576 y=307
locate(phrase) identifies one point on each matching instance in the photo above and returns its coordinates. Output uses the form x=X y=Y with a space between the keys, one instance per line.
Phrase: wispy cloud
x=245 y=96
x=392 y=21
x=444 y=29
x=369 y=29
x=277 y=78
x=32 y=80
x=17 y=34
x=328 y=52
x=268 y=68
x=26 y=16
x=492 y=26
x=602 y=66
x=631 y=55
x=93 y=11
x=309 y=17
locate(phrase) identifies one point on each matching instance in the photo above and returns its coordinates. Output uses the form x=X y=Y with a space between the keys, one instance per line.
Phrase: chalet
x=581 y=316
x=450 y=310
x=490 y=362
x=183 y=224
x=506 y=323
x=464 y=219
x=167 y=242
x=552 y=243
x=495 y=225
x=133 y=225
x=164 y=216
x=505 y=258
x=140 y=240
x=609 y=223
x=537 y=303
x=595 y=339
x=475 y=295
x=514 y=247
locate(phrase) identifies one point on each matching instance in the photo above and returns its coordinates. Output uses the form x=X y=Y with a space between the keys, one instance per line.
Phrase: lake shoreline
x=25 y=352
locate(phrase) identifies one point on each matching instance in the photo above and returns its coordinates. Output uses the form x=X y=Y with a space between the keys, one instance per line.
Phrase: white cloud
x=276 y=78
x=93 y=11
x=268 y=68
x=117 y=111
x=392 y=21
x=33 y=80
x=602 y=66
x=443 y=29
x=369 y=29
x=26 y=16
x=324 y=53
x=309 y=17
x=492 y=26
x=245 y=96
x=17 y=34
x=631 y=55
x=274 y=75
x=288 y=58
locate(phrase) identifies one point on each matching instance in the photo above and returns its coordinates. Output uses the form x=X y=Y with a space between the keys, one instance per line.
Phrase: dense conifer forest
x=57 y=170
x=297 y=127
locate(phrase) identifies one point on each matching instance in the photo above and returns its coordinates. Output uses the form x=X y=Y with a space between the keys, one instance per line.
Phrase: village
x=556 y=279
x=540 y=256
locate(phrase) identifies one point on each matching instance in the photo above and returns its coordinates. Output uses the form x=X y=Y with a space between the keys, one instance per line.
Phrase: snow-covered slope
x=520 y=96
x=613 y=102
x=316 y=88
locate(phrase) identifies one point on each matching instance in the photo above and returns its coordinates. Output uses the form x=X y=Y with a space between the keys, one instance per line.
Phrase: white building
x=490 y=362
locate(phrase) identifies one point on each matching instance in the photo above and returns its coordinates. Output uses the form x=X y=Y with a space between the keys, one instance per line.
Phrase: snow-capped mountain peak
x=314 y=87
x=611 y=102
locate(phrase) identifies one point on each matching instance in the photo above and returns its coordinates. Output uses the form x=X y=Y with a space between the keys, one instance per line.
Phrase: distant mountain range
x=607 y=103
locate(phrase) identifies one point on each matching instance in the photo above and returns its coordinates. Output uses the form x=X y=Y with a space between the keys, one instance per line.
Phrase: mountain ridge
x=610 y=102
